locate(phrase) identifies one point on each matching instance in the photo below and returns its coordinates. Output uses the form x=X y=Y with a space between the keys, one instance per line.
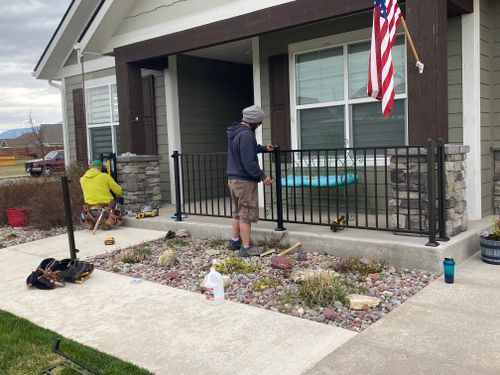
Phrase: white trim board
x=257 y=98
x=471 y=106
x=101 y=63
x=173 y=118
x=231 y=10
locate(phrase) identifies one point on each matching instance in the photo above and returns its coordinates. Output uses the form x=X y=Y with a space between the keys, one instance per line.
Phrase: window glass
x=399 y=63
x=322 y=127
x=100 y=141
x=51 y=155
x=320 y=76
x=97 y=104
x=371 y=128
x=114 y=102
x=358 y=69
x=359 y=55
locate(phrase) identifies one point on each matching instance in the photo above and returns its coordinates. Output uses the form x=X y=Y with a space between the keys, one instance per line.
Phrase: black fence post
x=178 y=213
x=431 y=191
x=441 y=191
x=279 y=193
x=69 y=217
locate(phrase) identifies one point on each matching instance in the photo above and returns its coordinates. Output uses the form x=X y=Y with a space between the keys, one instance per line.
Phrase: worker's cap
x=253 y=114
x=96 y=163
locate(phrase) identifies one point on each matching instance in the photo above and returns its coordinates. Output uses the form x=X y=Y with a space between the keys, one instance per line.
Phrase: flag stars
x=383 y=8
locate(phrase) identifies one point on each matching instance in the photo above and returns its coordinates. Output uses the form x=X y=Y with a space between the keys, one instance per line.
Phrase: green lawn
x=14 y=170
x=26 y=349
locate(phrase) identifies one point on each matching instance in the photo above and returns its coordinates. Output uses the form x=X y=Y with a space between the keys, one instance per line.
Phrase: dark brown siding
x=428 y=92
x=280 y=101
x=80 y=126
x=151 y=142
x=130 y=106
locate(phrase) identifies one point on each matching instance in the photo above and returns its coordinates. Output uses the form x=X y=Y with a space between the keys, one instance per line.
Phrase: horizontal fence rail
x=380 y=188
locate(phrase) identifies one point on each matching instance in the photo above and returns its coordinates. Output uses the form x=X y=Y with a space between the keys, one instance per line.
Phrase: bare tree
x=37 y=132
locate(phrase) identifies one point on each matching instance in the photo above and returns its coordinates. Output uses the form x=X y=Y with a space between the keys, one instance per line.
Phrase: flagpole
x=420 y=65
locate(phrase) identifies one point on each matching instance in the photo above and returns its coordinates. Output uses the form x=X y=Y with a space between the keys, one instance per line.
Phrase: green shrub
x=323 y=289
x=177 y=242
x=234 y=265
x=357 y=265
x=136 y=255
x=43 y=196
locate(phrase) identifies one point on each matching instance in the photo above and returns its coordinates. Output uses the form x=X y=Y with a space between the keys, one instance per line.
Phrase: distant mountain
x=14 y=133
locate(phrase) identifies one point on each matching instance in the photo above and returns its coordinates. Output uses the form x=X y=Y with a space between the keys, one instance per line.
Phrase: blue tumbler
x=449 y=270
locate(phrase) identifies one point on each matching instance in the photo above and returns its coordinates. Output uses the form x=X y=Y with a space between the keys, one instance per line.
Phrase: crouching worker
x=98 y=190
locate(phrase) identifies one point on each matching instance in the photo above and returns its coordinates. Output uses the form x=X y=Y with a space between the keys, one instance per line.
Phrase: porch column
x=428 y=92
x=471 y=104
x=130 y=106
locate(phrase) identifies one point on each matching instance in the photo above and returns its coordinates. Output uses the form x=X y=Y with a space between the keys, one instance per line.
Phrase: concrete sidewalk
x=165 y=330
x=444 y=329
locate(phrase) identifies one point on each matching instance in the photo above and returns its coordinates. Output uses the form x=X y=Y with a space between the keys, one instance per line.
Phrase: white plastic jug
x=213 y=287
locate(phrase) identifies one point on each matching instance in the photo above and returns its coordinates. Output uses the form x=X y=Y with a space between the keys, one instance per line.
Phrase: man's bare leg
x=245 y=229
x=236 y=229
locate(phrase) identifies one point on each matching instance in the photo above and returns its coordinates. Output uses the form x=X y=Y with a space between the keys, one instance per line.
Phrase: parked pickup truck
x=52 y=162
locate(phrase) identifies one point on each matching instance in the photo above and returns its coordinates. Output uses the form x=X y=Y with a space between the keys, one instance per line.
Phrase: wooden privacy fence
x=6 y=161
x=27 y=152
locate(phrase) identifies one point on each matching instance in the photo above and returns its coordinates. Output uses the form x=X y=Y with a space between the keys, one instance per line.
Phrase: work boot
x=249 y=251
x=234 y=245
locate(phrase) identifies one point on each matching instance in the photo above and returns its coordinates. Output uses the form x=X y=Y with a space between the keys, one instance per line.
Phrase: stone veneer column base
x=139 y=177
x=405 y=169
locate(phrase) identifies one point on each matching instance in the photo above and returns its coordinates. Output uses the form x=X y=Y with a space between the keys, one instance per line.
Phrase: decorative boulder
x=360 y=302
x=167 y=258
x=281 y=262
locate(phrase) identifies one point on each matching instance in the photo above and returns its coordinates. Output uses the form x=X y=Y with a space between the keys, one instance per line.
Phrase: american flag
x=386 y=18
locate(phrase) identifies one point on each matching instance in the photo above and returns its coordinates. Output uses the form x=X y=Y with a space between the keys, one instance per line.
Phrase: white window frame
x=95 y=83
x=334 y=41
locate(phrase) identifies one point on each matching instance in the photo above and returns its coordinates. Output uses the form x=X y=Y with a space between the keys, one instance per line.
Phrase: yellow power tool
x=142 y=215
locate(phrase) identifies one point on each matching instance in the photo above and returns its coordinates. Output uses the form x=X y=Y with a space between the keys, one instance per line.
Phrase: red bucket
x=18 y=217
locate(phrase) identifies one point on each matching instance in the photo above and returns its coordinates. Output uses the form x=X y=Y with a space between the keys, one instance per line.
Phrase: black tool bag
x=51 y=273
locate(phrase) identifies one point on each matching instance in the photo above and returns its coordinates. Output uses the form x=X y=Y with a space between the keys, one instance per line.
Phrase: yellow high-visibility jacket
x=97 y=187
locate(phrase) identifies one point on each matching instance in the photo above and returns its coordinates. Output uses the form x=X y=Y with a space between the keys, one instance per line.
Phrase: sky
x=26 y=27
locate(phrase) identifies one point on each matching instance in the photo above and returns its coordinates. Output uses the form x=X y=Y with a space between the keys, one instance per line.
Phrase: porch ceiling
x=238 y=52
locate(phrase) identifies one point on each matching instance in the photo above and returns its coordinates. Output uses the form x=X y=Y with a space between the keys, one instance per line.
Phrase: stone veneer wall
x=405 y=171
x=139 y=177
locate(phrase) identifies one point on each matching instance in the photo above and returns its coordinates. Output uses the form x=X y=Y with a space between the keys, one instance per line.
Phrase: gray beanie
x=253 y=114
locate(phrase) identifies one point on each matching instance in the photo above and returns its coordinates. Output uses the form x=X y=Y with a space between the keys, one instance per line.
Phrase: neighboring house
x=165 y=75
x=43 y=135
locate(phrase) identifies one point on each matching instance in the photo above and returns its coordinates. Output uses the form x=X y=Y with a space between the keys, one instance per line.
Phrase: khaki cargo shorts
x=245 y=198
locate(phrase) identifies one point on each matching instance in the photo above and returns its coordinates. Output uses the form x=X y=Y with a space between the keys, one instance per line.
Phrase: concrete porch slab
x=397 y=250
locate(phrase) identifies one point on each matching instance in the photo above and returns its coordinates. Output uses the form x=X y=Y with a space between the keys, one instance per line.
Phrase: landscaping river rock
x=316 y=288
x=10 y=236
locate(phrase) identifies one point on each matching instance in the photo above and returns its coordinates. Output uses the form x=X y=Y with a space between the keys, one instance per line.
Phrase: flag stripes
x=386 y=18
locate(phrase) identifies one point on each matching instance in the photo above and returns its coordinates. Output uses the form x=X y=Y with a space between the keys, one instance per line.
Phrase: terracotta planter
x=490 y=251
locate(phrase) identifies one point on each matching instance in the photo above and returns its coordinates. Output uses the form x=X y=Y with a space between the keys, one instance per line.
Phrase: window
x=102 y=120
x=332 y=108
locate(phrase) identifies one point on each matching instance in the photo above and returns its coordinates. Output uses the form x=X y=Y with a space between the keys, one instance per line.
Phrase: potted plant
x=490 y=244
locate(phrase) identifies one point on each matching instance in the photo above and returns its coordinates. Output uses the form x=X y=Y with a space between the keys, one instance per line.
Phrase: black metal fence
x=380 y=188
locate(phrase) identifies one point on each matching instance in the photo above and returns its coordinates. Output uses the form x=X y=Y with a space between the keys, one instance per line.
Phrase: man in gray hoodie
x=244 y=173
